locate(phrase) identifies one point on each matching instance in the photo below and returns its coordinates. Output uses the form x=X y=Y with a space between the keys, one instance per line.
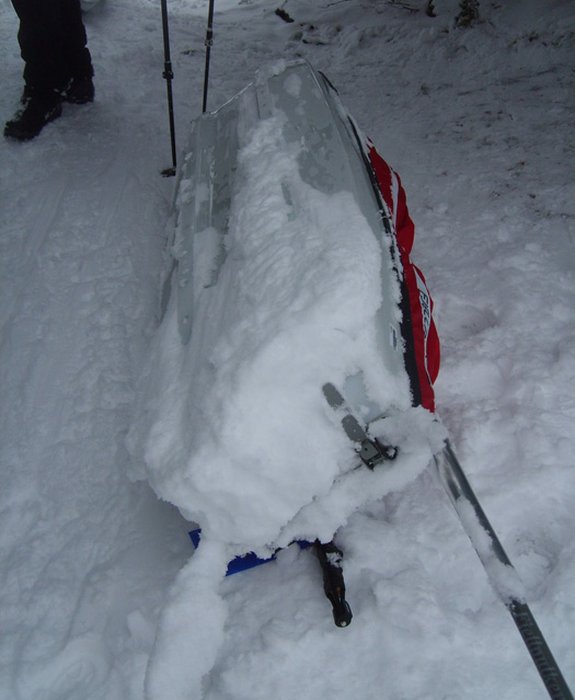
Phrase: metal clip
x=373 y=452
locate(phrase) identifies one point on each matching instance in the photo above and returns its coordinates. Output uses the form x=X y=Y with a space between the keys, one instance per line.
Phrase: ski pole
x=168 y=76
x=462 y=496
x=209 y=42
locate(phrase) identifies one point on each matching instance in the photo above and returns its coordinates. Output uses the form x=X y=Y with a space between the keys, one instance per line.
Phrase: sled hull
x=331 y=160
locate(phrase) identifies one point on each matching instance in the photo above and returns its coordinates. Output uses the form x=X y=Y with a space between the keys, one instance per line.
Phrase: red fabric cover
x=421 y=333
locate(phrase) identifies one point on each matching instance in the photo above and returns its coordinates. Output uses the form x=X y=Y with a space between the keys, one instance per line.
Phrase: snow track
x=80 y=228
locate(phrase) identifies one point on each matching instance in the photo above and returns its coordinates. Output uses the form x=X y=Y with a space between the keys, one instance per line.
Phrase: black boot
x=37 y=112
x=79 y=91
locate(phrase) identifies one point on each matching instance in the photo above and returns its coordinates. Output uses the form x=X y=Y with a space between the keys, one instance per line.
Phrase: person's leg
x=41 y=45
x=76 y=54
x=57 y=63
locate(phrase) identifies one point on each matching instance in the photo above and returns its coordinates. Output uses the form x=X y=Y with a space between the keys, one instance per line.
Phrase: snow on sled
x=290 y=385
x=283 y=324
x=286 y=278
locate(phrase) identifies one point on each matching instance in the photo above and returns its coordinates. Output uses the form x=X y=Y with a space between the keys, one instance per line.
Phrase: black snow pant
x=52 y=42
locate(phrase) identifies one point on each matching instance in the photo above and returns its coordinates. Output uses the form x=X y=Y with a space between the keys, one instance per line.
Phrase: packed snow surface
x=101 y=594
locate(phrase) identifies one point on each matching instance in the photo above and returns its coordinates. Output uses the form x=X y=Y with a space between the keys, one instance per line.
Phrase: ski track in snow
x=477 y=123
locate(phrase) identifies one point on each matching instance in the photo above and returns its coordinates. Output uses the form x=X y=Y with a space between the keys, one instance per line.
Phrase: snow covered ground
x=94 y=569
